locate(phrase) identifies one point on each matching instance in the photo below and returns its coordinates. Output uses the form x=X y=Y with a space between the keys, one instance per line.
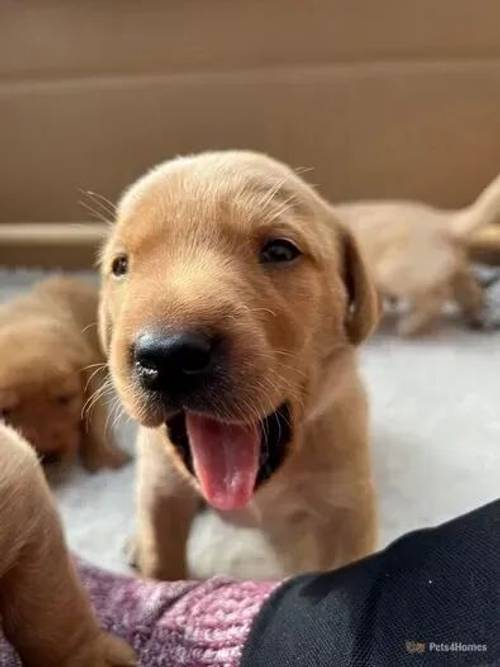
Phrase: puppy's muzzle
x=177 y=364
x=187 y=374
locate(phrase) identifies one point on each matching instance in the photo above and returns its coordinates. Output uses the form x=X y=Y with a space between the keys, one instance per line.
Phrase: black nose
x=174 y=363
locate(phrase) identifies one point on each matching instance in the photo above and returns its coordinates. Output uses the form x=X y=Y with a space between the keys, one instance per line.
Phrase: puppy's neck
x=338 y=378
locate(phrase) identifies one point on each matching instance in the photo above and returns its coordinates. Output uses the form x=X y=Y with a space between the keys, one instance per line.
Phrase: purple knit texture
x=186 y=623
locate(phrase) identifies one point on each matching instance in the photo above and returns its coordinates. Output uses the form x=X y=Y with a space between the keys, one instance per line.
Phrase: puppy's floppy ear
x=363 y=309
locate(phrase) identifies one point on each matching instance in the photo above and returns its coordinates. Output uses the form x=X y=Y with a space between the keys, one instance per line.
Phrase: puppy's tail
x=484 y=211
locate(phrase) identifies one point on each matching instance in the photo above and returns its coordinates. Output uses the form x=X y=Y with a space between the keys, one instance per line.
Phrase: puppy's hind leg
x=44 y=610
x=424 y=309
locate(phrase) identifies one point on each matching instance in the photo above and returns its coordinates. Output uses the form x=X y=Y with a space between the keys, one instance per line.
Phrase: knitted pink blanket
x=184 y=623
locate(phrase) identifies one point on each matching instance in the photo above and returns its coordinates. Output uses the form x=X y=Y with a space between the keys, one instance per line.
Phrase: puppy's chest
x=248 y=546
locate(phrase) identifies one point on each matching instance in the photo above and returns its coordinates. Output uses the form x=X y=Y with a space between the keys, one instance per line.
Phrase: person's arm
x=432 y=597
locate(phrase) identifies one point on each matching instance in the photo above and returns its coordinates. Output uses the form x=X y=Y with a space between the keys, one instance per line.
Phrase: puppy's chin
x=230 y=460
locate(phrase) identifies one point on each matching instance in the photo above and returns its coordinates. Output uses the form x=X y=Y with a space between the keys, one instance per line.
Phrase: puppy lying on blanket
x=50 y=367
x=232 y=303
x=418 y=253
x=44 y=612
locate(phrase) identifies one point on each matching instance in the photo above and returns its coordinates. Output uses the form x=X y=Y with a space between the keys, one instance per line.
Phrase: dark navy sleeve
x=430 y=598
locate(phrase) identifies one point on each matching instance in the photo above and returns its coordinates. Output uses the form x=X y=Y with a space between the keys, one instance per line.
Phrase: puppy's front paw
x=149 y=564
x=116 y=653
x=105 y=651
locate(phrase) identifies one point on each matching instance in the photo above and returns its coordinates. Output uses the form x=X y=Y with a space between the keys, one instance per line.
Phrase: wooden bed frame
x=65 y=245
x=484 y=245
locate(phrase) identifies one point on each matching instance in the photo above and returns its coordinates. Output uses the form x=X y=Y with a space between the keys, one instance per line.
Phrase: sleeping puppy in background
x=232 y=304
x=418 y=254
x=50 y=366
x=44 y=612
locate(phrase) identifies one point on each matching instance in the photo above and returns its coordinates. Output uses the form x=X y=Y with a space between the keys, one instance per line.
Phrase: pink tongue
x=226 y=460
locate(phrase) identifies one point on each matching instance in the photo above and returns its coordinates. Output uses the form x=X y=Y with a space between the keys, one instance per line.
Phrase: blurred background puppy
x=52 y=373
x=418 y=254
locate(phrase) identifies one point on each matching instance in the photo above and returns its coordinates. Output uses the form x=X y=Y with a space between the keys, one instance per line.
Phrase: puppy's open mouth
x=230 y=460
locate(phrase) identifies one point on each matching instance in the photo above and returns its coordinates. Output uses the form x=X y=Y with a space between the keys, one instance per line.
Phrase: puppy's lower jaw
x=230 y=460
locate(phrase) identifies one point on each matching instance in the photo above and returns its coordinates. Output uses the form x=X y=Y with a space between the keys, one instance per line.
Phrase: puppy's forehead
x=213 y=174
x=237 y=190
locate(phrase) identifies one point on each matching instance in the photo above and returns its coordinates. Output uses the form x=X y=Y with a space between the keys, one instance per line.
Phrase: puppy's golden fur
x=192 y=230
x=44 y=611
x=51 y=365
x=418 y=253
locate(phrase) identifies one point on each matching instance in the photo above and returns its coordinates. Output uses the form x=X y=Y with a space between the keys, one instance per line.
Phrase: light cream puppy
x=418 y=254
x=232 y=304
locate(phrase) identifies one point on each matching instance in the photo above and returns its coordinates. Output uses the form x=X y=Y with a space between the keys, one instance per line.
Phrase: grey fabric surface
x=436 y=437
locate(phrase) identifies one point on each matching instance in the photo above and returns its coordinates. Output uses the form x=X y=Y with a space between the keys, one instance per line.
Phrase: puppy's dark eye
x=5 y=413
x=119 y=267
x=277 y=251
